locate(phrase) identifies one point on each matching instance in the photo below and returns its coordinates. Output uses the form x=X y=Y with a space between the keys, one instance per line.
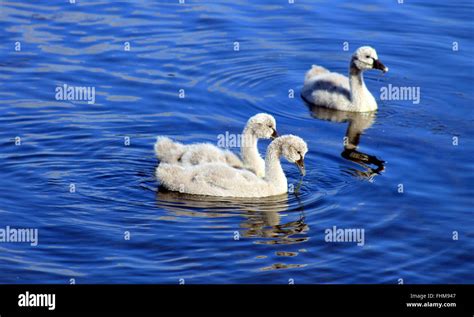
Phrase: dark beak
x=300 y=164
x=275 y=134
x=379 y=65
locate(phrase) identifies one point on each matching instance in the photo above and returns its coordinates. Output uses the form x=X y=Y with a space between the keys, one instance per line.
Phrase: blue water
x=424 y=234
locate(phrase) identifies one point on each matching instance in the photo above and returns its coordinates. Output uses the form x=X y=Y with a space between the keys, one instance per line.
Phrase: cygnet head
x=294 y=148
x=263 y=126
x=365 y=58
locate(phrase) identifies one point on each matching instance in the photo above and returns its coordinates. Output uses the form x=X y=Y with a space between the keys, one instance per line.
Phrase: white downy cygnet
x=260 y=126
x=219 y=179
x=336 y=91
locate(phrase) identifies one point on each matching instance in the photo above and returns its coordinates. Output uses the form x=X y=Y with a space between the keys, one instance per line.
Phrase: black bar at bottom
x=434 y=299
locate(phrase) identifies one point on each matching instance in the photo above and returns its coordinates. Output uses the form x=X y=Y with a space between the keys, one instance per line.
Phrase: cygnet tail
x=168 y=151
x=315 y=71
x=171 y=176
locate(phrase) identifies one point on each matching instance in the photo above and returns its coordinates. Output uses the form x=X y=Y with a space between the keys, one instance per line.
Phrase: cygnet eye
x=367 y=56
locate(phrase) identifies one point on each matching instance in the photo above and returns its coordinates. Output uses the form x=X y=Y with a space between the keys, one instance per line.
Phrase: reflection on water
x=357 y=124
x=262 y=218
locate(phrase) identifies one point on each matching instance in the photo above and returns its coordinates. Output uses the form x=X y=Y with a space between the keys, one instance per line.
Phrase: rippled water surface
x=68 y=171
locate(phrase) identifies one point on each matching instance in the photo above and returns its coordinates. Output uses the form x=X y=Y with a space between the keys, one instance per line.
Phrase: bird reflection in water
x=262 y=218
x=358 y=122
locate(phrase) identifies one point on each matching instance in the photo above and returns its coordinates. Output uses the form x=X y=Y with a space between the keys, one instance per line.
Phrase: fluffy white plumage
x=336 y=91
x=260 y=126
x=220 y=179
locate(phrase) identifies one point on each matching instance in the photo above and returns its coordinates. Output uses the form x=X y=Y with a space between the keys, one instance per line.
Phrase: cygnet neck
x=357 y=84
x=273 y=170
x=249 y=150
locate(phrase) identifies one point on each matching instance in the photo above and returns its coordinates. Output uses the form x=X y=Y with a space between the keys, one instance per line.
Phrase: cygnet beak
x=300 y=164
x=378 y=65
x=274 y=134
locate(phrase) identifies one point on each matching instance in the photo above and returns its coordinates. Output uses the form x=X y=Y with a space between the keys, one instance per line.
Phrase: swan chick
x=219 y=179
x=259 y=126
x=336 y=91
